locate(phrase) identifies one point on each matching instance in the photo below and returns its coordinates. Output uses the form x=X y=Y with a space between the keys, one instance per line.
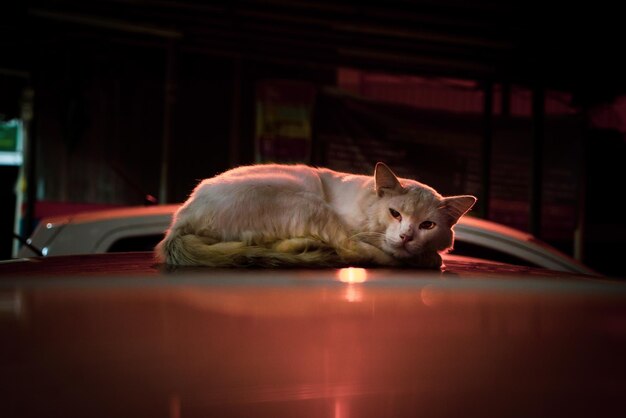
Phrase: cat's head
x=415 y=218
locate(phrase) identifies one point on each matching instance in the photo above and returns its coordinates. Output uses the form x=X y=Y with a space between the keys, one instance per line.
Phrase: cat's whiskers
x=370 y=237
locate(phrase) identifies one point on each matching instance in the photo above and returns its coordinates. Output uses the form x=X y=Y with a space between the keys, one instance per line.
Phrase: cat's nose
x=406 y=237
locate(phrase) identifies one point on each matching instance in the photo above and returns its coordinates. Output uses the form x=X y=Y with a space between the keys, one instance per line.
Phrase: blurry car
x=141 y=228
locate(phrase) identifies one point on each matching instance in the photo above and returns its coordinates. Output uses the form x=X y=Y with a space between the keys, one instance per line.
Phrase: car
x=117 y=334
x=142 y=227
x=131 y=228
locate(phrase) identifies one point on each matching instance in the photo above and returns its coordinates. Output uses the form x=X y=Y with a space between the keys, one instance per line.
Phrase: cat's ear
x=385 y=180
x=457 y=206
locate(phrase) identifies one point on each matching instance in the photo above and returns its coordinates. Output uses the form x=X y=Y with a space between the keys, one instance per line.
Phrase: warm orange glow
x=352 y=275
x=353 y=293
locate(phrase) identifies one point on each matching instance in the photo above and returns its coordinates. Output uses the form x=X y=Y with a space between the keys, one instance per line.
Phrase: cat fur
x=274 y=215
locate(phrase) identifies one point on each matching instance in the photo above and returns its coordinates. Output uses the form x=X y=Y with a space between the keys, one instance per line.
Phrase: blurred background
x=111 y=103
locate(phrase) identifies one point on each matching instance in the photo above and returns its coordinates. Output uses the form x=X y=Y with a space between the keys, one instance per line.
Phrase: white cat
x=273 y=215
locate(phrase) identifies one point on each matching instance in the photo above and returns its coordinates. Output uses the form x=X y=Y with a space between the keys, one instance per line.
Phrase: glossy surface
x=293 y=343
x=143 y=263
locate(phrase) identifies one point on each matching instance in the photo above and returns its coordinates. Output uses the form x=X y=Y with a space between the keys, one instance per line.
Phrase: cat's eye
x=395 y=214
x=427 y=225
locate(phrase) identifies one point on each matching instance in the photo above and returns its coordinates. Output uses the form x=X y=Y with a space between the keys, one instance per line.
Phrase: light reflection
x=174 y=406
x=353 y=276
x=11 y=304
x=341 y=408
x=353 y=294
x=431 y=296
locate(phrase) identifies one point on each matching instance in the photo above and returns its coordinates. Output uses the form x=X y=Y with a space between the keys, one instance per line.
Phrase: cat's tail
x=194 y=250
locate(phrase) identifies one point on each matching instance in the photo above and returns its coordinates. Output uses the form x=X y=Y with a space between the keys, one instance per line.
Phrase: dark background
x=122 y=89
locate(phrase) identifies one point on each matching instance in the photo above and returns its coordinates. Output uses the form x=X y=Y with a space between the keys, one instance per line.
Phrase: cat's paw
x=429 y=260
x=360 y=252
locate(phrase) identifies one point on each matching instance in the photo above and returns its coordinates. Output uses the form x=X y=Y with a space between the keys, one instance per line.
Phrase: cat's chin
x=423 y=259
x=401 y=253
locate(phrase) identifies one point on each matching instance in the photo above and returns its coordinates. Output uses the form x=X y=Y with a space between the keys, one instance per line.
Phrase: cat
x=297 y=215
